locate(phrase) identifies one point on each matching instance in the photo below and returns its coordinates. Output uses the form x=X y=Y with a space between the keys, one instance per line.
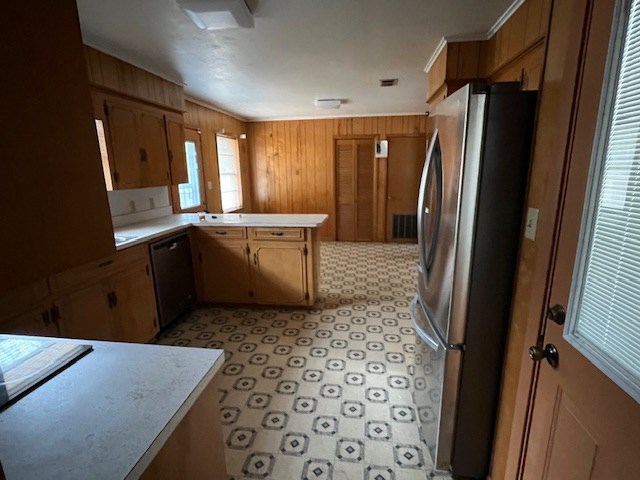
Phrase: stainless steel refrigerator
x=469 y=222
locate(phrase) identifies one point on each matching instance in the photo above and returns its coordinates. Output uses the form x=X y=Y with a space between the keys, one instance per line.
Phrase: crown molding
x=505 y=16
x=439 y=48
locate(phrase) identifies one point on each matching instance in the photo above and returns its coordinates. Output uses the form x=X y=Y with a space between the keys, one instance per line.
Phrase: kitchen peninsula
x=121 y=411
x=269 y=259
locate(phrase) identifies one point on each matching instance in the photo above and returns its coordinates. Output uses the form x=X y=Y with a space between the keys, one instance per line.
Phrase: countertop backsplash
x=138 y=205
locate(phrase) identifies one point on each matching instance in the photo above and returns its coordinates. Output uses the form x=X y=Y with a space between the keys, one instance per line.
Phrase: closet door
x=355 y=190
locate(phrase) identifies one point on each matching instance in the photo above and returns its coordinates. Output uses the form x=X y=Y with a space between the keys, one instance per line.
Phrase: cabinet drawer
x=288 y=234
x=223 y=232
x=93 y=271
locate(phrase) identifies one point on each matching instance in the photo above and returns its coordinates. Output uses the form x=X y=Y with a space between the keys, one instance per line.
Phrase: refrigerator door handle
x=423 y=211
x=439 y=337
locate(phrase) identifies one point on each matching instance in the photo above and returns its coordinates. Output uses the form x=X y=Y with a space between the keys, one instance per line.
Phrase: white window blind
x=604 y=308
x=229 y=172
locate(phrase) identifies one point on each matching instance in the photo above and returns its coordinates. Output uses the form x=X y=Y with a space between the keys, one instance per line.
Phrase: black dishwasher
x=173 y=277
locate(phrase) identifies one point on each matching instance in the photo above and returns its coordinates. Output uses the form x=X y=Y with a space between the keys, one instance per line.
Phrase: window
x=104 y=155
x=190 y=197
x=190 y=194
x=229 y=171
x=604 y=306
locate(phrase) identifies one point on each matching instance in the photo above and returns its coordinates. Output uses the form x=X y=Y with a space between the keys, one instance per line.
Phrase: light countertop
x=145 y=231
x=105 y=416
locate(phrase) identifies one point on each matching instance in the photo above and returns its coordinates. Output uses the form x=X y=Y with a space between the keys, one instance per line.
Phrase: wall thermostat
x=382 y=149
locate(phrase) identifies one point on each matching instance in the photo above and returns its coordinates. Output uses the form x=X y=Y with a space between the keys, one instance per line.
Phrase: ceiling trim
x=436 y=52
x=202 y=103
x=505 y=16
x=287 y=119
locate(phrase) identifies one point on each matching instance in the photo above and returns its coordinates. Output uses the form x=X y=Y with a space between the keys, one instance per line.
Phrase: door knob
x=550 y=352
x=557 y=314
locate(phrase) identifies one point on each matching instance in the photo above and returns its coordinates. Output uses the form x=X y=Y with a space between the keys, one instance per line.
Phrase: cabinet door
x=37 y=321
x=125 y=145
x=279 y=273
x=87 y=313
x=155 y=157
x=224 y=271
x=135 y=318
x=177 y=155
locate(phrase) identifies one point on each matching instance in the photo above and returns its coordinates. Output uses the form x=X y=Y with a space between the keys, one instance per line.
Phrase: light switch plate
x=532 y=223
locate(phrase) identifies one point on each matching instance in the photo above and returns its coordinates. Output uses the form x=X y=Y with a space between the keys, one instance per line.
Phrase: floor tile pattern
x=321 y=393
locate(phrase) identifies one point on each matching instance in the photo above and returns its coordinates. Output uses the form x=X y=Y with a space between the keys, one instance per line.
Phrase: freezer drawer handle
x=441 y=340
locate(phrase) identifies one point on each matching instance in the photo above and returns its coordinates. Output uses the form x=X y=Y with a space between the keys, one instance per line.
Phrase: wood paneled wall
x=210 y=122
x=113 y=74
x=292 y=162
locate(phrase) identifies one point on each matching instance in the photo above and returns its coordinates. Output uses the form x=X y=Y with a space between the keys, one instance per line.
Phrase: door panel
x=225 y=271
x=365 y=191
x=87 y=313
x=279 y=273
x=36 y=321
x=572 y=448
x=123 y=130
x=583 y=425
x=355 y=190
x=135 y=315
x=155 y=157
x=406 y=159
x=175 y=144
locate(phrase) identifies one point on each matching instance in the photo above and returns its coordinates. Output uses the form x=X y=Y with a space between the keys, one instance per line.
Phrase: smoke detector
x=328 y=103
x=217 y=14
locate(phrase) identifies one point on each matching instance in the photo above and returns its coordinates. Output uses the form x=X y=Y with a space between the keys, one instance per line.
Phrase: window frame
x=195 y=134
x=238 y=169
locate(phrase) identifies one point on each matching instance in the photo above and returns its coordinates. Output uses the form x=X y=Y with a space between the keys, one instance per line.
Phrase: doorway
x=355 y=185
x=404 y=167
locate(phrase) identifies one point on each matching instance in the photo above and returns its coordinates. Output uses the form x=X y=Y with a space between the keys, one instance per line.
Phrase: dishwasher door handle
x=173 y=246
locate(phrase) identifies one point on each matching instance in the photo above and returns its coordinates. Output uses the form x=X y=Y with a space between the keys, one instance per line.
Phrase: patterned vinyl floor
x=321 y=393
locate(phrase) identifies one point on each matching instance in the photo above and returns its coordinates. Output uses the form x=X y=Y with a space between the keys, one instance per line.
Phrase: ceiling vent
x=217 y=14
x=328 y=103
x=388 y=82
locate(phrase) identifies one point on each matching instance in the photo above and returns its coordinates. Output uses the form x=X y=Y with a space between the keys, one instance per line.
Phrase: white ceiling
x=298 y=51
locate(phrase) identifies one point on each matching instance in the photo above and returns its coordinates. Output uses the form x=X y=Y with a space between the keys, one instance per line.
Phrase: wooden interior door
x=583 y=425
x=355 y=190
x=405 y=162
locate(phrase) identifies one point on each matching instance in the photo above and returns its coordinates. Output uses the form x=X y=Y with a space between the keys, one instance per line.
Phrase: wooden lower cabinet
x=195 y=450
x=224 y=270
x=269 y=266
x=134 y=314
x=86 y=313
x=119 y=307
x=37 y=321
x=279 y=273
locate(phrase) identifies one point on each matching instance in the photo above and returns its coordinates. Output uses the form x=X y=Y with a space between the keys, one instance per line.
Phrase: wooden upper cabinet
x=52 y=190
x=511 y=54
x=136 y=140
x=154 y=153
x=125 y=154
x=175 y=143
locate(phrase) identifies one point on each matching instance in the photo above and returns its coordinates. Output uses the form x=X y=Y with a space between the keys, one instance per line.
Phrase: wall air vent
x=405 y=226
x=388 y=82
